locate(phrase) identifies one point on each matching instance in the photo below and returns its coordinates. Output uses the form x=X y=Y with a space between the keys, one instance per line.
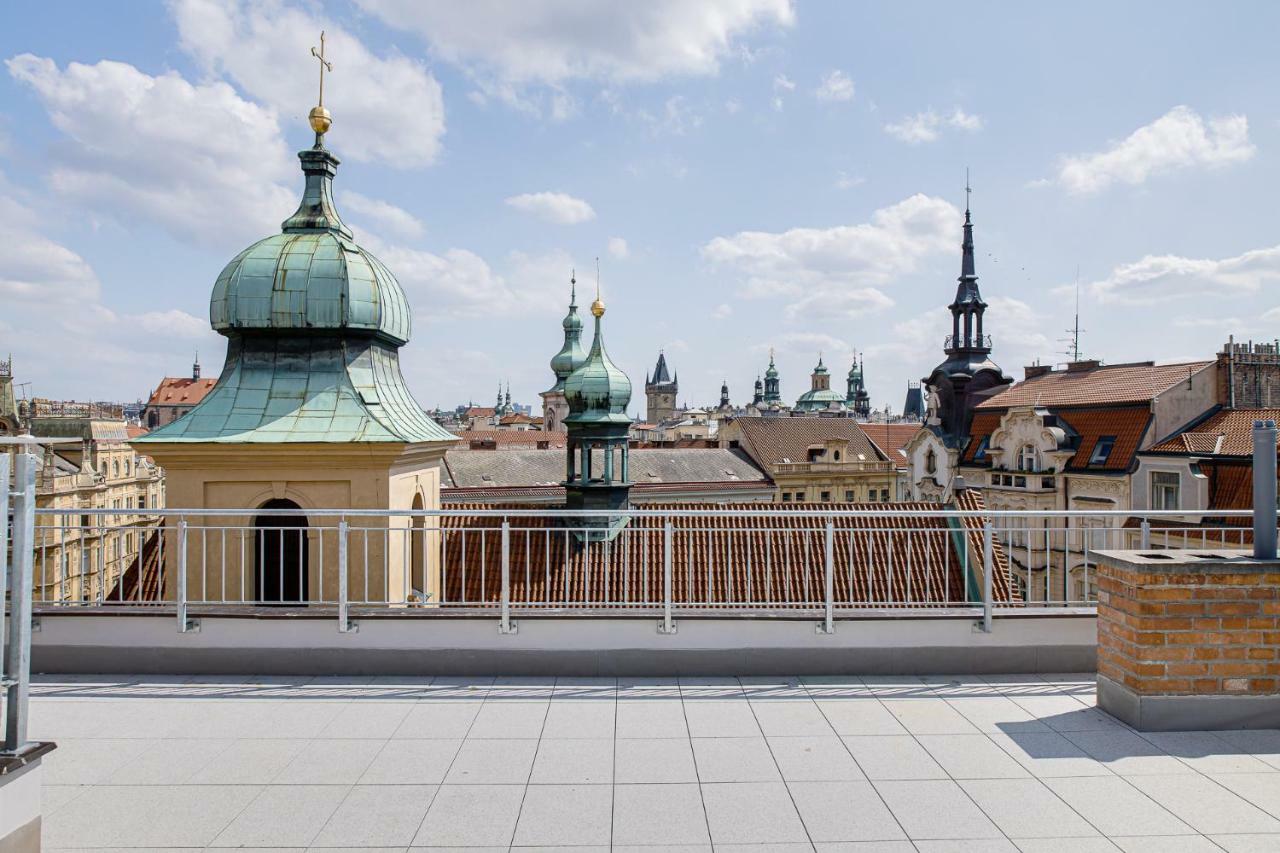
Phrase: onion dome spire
x=597 y=391
x=571 y=356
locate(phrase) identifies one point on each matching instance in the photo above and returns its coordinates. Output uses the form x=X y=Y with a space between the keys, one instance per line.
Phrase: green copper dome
x=597 y=391
x=571 y=356
x=312 y=276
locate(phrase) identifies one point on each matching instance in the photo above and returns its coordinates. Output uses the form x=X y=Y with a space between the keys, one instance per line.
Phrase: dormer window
x=1029 y=458
x=980 y=453
x=1102 y=450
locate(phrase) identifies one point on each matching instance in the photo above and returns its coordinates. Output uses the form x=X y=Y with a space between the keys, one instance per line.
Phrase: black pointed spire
x=968 y=307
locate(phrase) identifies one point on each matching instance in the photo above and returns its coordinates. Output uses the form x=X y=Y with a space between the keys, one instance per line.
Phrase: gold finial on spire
x=319 y=117
x=597 y=307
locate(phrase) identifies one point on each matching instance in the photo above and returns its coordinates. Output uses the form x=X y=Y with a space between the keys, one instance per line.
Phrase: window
x=837 y=455
x=1029 y=458
x=1164 y=490
x=826 y=497
x=1102 y=450
x=786 y=497
x=799 y=496
x=981 y=452
x=848 y=496
x=884 y=495
x=930 y=461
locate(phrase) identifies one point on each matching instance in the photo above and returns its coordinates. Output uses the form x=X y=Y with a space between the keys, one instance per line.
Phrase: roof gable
x=1106 y=385
x=774 y=441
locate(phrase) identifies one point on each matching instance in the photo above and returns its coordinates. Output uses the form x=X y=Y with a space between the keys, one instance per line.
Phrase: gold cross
x=324 y=65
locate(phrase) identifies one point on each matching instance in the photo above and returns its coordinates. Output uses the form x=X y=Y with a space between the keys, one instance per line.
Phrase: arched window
x=930 y=461
x=417 y=556
x=1029 y=458
x=115 y=467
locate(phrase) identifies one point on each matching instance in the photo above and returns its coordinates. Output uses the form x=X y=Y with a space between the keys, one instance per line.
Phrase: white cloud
x=839 y=270
x=1179 y=139
x=385 y=108
x=554 y=41
x=721 y=311
x=34 y=268
x=1157 y=278
x=835 y=86
x=172 y=323
x=928 y=125
x=783 y=83
x=135 y=151
x=845 y=181
x=556 y=207
x=396 y=220
x=618 y=248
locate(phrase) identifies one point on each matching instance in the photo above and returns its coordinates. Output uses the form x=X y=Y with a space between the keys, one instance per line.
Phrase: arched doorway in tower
x=417 y=553
x=280 y=555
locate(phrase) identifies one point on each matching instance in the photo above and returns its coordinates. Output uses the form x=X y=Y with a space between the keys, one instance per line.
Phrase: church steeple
x=967 y=336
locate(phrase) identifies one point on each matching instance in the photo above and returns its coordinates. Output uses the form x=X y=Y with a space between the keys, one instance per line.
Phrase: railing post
x=828 y=625
x=345 y=625
x=5 y=459
x=988 y=568
x=1145 y=542
x=184 y=624
x=666 y=626
x=1264 y=490
x=505 y=625
x=17 y=657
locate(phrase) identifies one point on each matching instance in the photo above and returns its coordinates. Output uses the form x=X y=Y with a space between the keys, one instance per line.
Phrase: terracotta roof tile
x=1229 y=432
x=891 y=438
x=512 y=439
x=731 y=560
x=773 y=441
x=180 y=391
x=1126 y=424
x=1121 y=383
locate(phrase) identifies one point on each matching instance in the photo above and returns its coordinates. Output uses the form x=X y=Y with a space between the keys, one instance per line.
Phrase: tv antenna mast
x=1073 y=342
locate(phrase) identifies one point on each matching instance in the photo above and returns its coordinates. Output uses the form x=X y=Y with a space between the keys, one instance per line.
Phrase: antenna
x=967 y=189
x=1073 y=341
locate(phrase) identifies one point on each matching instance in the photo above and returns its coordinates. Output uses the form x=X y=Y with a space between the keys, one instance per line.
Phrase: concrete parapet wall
x=1054 y=640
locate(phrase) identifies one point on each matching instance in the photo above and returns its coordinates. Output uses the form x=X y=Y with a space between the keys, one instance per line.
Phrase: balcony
x=979 y=341
x=839 y=469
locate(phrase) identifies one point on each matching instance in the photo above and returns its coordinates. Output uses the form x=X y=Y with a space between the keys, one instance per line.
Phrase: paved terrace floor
x=873 y=764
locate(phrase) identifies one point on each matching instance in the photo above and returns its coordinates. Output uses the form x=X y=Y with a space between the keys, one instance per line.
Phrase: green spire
x=597 y=391
x=570 y=357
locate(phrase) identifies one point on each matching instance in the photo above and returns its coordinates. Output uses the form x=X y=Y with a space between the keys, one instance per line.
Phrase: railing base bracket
x=821 y=628
x=351 y=628
x=509 y=628
x=664 y=628
x=35 y=624
x=192 y=626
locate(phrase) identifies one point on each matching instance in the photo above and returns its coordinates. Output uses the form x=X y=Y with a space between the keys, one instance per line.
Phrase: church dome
x=312 y=276
x=597 y=391
x=570 y=357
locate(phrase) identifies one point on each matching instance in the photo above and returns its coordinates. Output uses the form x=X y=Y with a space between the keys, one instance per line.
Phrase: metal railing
x=821 y=563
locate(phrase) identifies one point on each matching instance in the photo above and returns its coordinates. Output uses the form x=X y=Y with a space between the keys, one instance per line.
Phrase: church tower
x=596 y=470
x=310 y=411
x=570 y=357
x=856 y=398
x=967 y=375
x=660 y=392
x=772 y=394
x=758 y=396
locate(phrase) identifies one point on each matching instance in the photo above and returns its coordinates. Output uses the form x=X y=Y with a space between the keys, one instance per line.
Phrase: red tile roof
x=729 y=560
x=457 y=495
x=479 y=412
x=180 y=391
x=519 y=418
x=1121 y=383
x=510 y=438
x=891 y=438
x=1126 y=424
x=1229 y=432
x=774 y=441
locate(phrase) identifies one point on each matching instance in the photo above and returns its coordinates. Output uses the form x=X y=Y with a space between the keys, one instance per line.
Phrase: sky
x=750 y=174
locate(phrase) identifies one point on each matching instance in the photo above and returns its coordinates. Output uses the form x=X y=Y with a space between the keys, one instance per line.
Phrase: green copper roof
x=571 y=356
x=305 y=389
x=597 y=391
x=815 y=400
x=311 y=276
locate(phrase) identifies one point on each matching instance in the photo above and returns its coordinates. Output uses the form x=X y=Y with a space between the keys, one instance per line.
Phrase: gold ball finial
x=320 y=119
x=597 y=308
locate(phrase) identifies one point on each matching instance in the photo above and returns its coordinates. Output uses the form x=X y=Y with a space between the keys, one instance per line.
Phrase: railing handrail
x=893 y=510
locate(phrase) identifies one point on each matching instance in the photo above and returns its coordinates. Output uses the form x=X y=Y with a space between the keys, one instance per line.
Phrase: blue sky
x=751 y=174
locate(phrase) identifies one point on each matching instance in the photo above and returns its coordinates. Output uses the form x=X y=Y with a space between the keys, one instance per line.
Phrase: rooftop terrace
x=997 y=763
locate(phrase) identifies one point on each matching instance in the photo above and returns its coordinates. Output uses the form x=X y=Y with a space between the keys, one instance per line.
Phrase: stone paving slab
x=894 y=764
